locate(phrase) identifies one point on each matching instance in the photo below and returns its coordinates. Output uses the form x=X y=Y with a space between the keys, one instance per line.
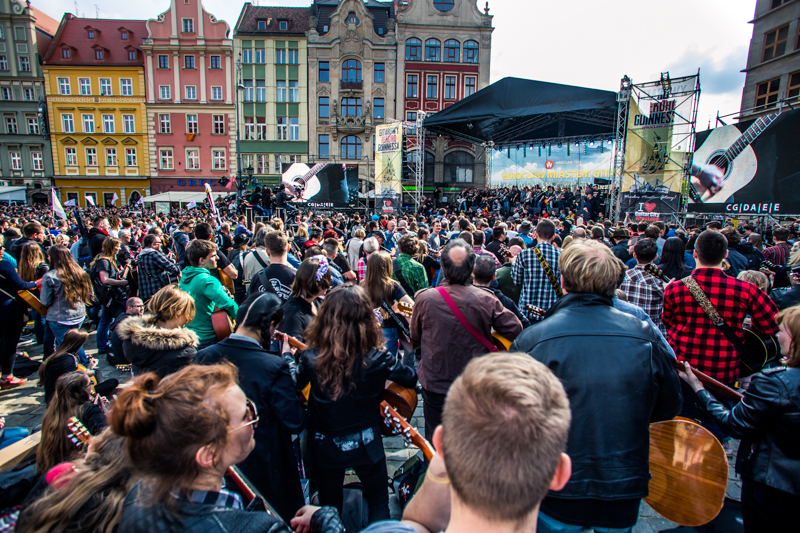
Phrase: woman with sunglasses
x=267 y=379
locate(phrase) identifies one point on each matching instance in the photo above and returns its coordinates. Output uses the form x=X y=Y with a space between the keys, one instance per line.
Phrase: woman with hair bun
x=158 y=342
x=182 y=434
x=268 y=380
x=312 y=280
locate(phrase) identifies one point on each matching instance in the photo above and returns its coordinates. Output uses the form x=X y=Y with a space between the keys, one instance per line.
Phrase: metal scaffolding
x=623 y=101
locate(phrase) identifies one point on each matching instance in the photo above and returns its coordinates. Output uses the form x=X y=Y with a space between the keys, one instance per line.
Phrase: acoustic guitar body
x=500 y=342
x=222 y=323
x=226 y=281
x=736 y=174
x=689 y=472
x=33 y=301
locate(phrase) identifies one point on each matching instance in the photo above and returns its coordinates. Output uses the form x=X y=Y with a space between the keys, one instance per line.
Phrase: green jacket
x=208 y=293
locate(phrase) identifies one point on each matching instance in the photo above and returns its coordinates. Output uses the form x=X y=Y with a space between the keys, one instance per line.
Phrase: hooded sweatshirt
x=207 y=292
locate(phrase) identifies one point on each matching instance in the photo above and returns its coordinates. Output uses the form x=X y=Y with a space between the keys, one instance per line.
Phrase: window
x=449 y=87
x=193 y=159
x=378 y=111
x=278 y=169
x=443 y=5
x=8 y=94
x=351 y=18
x=164 y=125
x=131 y=55
x=111 y=157
x=469 y=86
x=351 y=107
x=3 y=63
x=126 y=87
x=216 y=93
x=380 y=73
x=283 y=25
x=280 y=56
x=71 y=156
x=261 y=56
x=2 y=34
x=261 y=91
x=411 y=86
x=262 y=24
x=24 y=64
x=294 y=91
x=128 y=124
x=351 y=70
x=283 y=134
x=216 y=62
x=247 y=56
x=249 y=129
x=324 y=107
x=123 y=35
x=458 y=167
x=775 y=43
x=351 y=147
x=63 y=86
x=262 y=165
x=471 y=52
x=27 y=94
x=16 y=161
x=188 y=25
x=432 y=87
x=188 y=61
x=164 y=93
x=37 y=161
x=294 y=57
x=91 y=34
x=108 y=123
x=452 y=51
x=105 y=86
x=98 y=54
x=767 y=93
x=218 y=157
x=324 y=147
x=191 y=92
x=219 y=124
x=191 y=124
x=85 y=85
x=130 y=157
x=91 y=157
x=67 y=123
x=166 y=158
x=777 y=3
x=324 y=71
x=33 y=126
x=413 y=49
x=433 y=50
x=794 y=85
x=281 y=88
x=11 y=125
x=248 y=90
x=163 y=61
x=294 y=129
x=88 y=123
x=65 y=53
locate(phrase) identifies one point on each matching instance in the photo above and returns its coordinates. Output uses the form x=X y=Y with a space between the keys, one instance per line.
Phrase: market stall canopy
x=183 y=197
x=516 y=111
x=12 y=194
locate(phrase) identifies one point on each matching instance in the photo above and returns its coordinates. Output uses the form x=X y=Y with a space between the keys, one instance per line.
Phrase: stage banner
x=649 y=206
x=389 y=158
x=551 y=164
x=661 y=119
x=756 y=162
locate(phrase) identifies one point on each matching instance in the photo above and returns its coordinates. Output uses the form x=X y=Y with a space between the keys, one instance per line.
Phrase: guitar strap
x=258 y=258
x=464 y=322
x=702 y=299
x=548 y=271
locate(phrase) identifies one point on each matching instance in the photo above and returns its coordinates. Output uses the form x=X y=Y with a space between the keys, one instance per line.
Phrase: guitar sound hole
x=720 y=162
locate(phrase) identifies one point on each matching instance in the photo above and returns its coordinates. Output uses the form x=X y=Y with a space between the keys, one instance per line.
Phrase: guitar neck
x=750 y=135
x=311 y=173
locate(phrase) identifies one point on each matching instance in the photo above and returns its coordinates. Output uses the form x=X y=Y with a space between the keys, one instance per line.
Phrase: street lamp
x=239 y=90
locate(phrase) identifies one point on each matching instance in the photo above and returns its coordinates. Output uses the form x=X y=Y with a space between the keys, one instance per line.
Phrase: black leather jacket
x=618 y=379
x=768 y=422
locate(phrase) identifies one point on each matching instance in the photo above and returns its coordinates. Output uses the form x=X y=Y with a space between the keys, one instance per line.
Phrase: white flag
x=141 y=200
x=114 y=198
x=70 y=203
x=57 y=209
x=90 y=200
x=191 y=205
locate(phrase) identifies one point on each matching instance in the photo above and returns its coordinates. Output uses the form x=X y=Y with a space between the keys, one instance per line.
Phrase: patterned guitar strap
x=548 y=271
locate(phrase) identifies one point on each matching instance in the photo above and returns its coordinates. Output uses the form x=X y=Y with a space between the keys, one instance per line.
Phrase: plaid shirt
x=154 y=271
x=646 y=291
x=480 y=251
x=696 y=339
x=223 y=498
x=361 y=268
x=413 y=274
x=778 y=254
x=536 y=287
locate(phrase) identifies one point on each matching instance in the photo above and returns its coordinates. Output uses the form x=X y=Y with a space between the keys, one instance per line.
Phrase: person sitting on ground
x=133 y=307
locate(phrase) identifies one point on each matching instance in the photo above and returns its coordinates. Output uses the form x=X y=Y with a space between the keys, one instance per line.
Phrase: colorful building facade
x=190 y=99
x=95 y=87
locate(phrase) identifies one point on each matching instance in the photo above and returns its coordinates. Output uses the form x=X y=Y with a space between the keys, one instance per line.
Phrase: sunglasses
x=251 y=416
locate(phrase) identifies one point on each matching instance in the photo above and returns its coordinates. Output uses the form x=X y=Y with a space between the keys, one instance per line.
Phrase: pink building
x=189 y=71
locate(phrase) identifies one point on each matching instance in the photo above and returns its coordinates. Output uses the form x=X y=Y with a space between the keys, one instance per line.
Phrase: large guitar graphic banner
x=752 y=167
x=325 y=185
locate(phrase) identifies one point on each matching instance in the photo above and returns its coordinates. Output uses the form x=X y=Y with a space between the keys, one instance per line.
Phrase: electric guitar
x=729 y=150
x=301 y=181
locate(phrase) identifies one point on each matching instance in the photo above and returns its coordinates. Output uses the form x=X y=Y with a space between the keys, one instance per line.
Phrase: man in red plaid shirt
x=692 y=334
x=779 y=254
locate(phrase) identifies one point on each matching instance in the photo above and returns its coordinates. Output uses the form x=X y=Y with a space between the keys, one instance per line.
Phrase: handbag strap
x=464 y=322
x=548 y=271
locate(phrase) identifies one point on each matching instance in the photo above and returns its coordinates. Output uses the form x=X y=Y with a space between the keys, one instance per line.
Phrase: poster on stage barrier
x=564 y=164
x=388 y=167
x=649 y=206
x=756 y=162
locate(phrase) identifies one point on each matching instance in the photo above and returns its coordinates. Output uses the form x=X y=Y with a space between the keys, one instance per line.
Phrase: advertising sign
x=752 y=167
x=162 y=208
x=389 y=167
x=649 y=206
x=564 y=165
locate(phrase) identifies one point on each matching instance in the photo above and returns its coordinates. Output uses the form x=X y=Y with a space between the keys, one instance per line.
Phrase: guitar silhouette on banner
x=322 y=183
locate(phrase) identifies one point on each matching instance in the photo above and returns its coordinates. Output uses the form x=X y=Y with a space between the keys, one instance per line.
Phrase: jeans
x=268 y=213
x=391 y=336
x=59 y=330
x=43 y=334
x=12 y=435
x=373 y=480
x=107 y=315
x=548 y=524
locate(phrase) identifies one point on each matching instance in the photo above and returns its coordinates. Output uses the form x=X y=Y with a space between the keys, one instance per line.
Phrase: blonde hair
x=170 y=302
x=791 y=317
x=759 y=279
x=794 y=255
x=589 y=267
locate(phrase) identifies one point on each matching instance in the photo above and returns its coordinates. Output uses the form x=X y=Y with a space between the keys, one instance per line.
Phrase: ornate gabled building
x=189 y=68
x=95 y=88
x=352 y=65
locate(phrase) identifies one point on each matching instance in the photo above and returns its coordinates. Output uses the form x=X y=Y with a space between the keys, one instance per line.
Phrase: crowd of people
x=605 y=322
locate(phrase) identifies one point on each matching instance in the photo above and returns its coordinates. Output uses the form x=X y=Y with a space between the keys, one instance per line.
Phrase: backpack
x=407 y=479
x=399 y=273
x=103 y=292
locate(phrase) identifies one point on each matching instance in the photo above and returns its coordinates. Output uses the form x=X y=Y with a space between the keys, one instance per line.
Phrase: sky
x=576 y=42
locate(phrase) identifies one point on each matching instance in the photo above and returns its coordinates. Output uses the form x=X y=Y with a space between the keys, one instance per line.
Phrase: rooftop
x=97 y=42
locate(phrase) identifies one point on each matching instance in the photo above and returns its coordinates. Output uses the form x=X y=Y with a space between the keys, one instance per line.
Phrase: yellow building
x=95 y=87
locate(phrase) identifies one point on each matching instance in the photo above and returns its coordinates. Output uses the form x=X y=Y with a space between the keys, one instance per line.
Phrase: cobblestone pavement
x=24 y=407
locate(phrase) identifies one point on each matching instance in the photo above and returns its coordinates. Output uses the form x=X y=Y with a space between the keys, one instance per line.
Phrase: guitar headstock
x=505 y=252
x=535 y=311
x=78 y=434
x=406 y=309
x=400 y=426
x=654 y=270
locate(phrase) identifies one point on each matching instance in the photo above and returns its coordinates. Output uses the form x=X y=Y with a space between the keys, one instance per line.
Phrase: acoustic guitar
x=222 y=323
x=29 y=298
x=78 y=434
x=226 y=281
x=255 y=501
